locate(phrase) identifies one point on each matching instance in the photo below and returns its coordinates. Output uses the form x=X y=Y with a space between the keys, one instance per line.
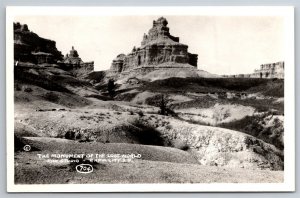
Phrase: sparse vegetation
x=163 y=105
x=140 y=113
x=254 y=125
x=162 y=102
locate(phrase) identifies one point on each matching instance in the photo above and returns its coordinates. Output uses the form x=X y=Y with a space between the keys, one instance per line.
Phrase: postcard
x=150 y=99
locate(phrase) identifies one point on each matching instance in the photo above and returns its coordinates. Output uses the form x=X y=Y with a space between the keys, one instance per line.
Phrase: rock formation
x=30 y=48
x=72 y=62
x=270 y=70
x=158 y=50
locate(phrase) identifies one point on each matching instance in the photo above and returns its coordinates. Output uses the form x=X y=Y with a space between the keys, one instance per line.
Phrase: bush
x=51 y=96
x=27 y=89
x=81 y=135
x=70 y=135
x=140 y=113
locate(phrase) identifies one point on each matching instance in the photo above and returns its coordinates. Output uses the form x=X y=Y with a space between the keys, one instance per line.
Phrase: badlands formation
x=160 y=55
x=186 y=128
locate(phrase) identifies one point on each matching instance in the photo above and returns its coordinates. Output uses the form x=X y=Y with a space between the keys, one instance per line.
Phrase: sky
x=224 y=44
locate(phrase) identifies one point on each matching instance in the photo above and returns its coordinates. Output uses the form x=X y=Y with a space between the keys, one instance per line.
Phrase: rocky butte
x=159 y=50
x=74 y=63
x=269 y=70
x=30 y=50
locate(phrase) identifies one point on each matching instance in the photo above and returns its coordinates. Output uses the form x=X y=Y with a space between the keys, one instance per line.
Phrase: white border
x=289 y=89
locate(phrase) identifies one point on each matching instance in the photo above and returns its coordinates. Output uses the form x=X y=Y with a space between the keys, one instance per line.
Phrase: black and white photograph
x=150 y=99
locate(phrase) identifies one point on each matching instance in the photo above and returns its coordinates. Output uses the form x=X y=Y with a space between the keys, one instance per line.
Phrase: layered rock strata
x=270 y=70
x=30 y=48
x=73 y=63
x=158 y=50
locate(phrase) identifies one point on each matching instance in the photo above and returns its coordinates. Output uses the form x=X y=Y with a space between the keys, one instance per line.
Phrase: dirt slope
x=171 y=167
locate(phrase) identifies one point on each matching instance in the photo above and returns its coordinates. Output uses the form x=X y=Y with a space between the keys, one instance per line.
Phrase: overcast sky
x=225 y=45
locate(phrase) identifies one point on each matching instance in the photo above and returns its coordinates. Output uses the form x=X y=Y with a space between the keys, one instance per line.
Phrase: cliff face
x=30 y=50
x=73 y=63
x=159 y=49
x=269 y=70
x=29 y=47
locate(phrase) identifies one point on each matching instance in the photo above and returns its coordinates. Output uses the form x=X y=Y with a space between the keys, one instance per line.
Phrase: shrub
x=27 y=89
x=70 y=135
x=51 y=96
x=163 y=105
x=140 y=113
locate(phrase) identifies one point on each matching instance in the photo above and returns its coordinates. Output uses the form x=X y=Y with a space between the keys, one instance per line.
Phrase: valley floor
x=211 y=137
x=44 y=130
